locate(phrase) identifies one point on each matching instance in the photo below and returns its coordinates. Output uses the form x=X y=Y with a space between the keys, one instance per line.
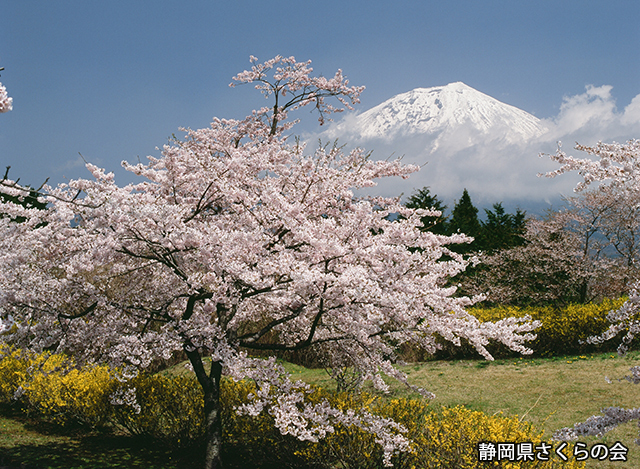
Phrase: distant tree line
x=584 y=252
x=501 y=230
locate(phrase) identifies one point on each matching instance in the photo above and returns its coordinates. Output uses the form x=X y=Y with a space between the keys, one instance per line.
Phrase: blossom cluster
x=295 y=86
x=6 y=103
x=623 y=319
x=617 y=167
x=235 y=240
x=616 y=163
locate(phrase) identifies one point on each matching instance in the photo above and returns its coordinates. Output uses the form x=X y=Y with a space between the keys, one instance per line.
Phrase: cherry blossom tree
x=6 y=103
x=547 y=269
x=566 y=257
x=617 y=167
x=240 y=239
x=587 y=250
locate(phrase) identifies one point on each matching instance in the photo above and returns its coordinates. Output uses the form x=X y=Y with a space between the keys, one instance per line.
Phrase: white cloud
x=593 y=107
x=492 y=169
x=631 y=115
x=593 y=116
x=75 y=163
x=80 y=162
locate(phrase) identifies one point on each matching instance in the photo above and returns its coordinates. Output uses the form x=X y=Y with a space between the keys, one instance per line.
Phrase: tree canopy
x=501 y=230
x=236 y=240
x=617 y=167
x=422 y=199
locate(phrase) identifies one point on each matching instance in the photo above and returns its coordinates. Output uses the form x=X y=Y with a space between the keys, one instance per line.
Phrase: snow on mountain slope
x=461 y=138
x=455 y=110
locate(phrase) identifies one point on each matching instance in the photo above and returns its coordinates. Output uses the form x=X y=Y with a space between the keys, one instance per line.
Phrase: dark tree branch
x=191 y=302
x=254 y=337
x=79 y=315
x=301 y=344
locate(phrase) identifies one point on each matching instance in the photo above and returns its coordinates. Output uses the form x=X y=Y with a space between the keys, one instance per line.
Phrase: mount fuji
x=461 y=138
x=442 y=111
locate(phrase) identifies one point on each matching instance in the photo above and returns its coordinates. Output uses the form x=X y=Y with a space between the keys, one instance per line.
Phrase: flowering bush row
x=444 y=438
x=168 y=408
x=563 y=330
x=55 y=388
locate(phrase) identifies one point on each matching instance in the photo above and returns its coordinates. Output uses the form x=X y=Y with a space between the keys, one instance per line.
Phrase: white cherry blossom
x=616 y=167
x=238 y=240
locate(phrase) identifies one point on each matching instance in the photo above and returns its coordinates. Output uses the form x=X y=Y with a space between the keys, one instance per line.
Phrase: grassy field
x=550 y=393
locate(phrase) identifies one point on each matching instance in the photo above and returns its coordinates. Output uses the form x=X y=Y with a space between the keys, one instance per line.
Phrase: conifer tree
x=422 y=199
x=464 y=219
x=502 y=230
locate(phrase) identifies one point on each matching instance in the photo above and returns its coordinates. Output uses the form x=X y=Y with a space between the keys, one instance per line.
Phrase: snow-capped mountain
x=455 y=110
x=460 y=137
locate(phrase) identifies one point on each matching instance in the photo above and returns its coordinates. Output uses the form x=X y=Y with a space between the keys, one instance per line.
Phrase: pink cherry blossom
x=237 y=241
x=6 y=103
x=616 y=168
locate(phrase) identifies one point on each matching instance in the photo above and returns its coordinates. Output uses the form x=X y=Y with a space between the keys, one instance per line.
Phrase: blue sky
x=112 y=80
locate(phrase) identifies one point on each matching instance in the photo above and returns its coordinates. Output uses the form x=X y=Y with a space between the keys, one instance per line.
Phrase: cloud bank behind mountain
x=463 y=138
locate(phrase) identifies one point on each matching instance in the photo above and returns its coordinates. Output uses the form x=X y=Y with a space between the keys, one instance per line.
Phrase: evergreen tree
x=464 y=219
x=424 y=200
x=501 y=230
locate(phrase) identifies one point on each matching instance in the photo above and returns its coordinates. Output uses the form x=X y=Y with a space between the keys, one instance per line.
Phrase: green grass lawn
x=550 y=393
x=34 y=443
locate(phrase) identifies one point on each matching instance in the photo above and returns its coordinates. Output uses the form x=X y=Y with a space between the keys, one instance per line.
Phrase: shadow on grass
x=90 y=454
x=36 y=444
x=95 y=452
x=27 y=442
x=101 y=452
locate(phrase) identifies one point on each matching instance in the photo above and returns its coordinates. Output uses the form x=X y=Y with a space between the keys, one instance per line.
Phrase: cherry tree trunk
x=212 y=415
x=213 y=419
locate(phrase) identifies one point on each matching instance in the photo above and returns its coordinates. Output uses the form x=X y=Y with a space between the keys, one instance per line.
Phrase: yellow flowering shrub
x=440 y=439
x=63 y=393
x=347 y=446
x=255 y=441
x=53 y=387
x=167 y=408
x=563 y=330
x=13 y=372
x=450 y=439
